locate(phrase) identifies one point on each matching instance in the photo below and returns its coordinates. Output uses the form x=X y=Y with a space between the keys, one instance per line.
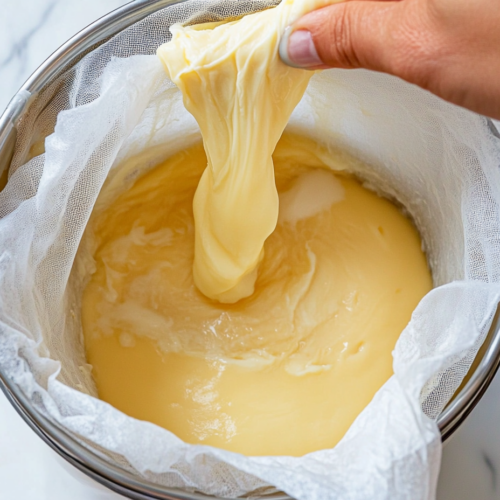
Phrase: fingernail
x=297 y=50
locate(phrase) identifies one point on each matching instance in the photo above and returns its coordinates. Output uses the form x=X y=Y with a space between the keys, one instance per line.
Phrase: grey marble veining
x=471 y=459
x=30 y=30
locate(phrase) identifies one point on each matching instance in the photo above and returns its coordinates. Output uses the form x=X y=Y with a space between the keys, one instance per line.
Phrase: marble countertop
x=30 y=30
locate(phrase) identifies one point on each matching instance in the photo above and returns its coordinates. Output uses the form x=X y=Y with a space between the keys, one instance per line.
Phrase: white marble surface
x=30 y=30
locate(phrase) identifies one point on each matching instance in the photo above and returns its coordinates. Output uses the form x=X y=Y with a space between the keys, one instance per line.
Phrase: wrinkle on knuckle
x=338 y=31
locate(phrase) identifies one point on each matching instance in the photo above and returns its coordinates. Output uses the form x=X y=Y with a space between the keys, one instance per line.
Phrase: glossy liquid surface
x=282 y=372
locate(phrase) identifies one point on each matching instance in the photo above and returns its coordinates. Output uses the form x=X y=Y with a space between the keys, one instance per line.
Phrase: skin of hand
x=449 y=47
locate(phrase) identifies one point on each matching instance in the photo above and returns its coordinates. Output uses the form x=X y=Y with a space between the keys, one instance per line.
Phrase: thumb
x=353 y=34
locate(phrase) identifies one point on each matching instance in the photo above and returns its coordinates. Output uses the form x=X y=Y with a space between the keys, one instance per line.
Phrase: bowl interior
x=24 y=107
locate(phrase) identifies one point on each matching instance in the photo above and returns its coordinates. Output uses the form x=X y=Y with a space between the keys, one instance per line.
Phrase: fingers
x=350 y=34
x=449 y=47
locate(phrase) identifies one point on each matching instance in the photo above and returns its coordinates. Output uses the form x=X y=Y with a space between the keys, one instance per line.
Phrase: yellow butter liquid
x=282 y=372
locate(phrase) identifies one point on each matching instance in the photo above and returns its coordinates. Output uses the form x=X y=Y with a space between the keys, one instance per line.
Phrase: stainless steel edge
x=94 y=466
x=494 y=129
x=465 y=401
x=115 y=478
x=100 y=30
x=11 y=114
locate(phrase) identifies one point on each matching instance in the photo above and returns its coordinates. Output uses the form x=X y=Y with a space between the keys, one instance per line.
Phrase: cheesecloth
x=117 y=115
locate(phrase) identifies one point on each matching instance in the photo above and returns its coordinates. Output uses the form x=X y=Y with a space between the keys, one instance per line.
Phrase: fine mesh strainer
x=31 y=117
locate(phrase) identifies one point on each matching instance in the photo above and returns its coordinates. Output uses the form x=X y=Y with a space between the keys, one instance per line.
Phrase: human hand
x=449 y=47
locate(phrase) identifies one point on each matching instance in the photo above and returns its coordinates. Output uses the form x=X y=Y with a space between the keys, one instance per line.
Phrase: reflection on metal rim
x=71 y=450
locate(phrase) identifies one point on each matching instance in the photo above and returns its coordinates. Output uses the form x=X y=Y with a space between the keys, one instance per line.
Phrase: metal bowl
x=113 y=477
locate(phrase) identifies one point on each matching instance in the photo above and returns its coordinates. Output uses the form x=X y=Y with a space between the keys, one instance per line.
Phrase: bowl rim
x=109 y=475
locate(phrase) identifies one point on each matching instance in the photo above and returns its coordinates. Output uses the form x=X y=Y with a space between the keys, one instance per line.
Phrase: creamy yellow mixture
x=239 y=303
x=242 y=95
x=284 y=371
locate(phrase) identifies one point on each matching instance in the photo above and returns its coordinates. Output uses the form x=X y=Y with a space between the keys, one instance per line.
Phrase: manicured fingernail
x=297 y=50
